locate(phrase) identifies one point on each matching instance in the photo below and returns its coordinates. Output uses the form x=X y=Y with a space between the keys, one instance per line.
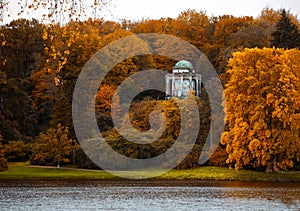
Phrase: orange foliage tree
x=262 y=109
x=227 y=25
x=53 y=147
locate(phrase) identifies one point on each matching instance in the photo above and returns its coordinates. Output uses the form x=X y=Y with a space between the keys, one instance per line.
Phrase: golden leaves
x=53 y=146
x=262 y=108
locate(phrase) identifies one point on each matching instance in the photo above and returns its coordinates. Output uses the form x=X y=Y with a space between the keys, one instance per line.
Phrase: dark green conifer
x=286 y=34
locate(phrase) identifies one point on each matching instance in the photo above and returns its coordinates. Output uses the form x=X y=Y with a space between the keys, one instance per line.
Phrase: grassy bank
x=26 y=171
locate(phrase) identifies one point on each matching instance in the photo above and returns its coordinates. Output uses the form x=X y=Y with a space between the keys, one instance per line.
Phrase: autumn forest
x=256 y=58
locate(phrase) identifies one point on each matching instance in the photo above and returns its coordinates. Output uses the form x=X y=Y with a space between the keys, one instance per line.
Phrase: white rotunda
x=182 y=80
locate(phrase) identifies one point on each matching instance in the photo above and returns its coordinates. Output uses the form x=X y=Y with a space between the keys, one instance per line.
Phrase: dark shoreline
x=30 y=182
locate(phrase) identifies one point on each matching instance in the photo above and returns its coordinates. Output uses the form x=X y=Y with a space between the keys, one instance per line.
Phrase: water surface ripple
x=147 y=195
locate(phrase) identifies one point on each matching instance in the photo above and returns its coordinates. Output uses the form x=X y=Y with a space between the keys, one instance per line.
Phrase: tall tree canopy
x=21 y=55
x=262 y=109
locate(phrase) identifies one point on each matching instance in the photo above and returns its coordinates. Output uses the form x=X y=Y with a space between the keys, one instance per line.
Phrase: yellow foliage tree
x=17 y=151
x=53 y=147
x=262 y=109
x=193 y=27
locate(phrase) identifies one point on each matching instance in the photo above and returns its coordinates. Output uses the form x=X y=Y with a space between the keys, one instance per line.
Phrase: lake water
x=147 y=195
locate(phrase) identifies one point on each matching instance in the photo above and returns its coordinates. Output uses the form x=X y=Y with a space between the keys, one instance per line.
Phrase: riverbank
x=27 y=171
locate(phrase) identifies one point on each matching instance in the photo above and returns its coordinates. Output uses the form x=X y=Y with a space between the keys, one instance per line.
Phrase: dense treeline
x=40 y=64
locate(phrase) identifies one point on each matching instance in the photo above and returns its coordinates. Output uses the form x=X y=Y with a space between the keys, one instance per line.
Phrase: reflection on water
x=146 y=195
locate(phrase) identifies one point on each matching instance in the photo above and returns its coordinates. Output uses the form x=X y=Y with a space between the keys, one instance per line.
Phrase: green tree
x=262 y=109
x=54 y=147
x=286 y=34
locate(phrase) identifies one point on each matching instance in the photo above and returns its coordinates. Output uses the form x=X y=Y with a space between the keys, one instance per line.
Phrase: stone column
x=197 y=89
x=173 y=86
x=167 y=85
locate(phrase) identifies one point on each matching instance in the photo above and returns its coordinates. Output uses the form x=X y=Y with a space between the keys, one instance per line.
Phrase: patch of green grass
x=26 y=171
x=217 y=173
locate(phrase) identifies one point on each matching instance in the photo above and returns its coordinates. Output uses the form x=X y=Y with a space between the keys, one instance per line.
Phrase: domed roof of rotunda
x=183 y=64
